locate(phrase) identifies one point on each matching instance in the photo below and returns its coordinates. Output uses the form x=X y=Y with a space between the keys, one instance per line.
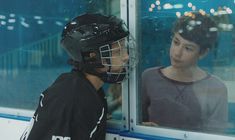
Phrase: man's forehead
x=185 y=41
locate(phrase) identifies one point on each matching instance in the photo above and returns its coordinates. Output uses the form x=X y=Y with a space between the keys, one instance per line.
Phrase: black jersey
x=70 y=109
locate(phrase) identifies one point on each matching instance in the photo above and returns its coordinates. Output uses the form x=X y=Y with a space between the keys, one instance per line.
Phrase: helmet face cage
x=118 y=52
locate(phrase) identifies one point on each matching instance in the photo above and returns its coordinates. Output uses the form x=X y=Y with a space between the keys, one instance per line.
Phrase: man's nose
x=178 y=51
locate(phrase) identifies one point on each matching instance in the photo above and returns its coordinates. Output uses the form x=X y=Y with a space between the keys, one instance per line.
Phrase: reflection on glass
x=183 y=93
x=114 y=99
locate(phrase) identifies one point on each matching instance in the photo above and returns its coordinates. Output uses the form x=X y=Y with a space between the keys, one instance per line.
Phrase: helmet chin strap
x=113 y=77
x=108 y=76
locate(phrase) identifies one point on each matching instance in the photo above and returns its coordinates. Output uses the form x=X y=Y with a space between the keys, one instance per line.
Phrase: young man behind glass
x=183 y=95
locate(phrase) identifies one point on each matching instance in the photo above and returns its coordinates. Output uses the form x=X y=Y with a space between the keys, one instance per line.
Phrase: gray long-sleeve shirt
x=200 y=105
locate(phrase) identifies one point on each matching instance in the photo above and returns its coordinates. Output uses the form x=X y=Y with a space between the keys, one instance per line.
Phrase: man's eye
x=188 y=49
x=116 y=50
x=176 y=42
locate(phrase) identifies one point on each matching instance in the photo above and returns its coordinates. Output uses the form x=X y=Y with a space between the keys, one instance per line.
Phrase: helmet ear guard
x=92 y=58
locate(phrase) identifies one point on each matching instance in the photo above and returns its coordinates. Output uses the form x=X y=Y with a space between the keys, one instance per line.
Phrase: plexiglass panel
x=114 y=99
x=187 y=72
x=30 y=53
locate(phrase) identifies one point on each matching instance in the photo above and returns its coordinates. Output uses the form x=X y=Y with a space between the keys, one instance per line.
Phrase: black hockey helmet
x=88 y=38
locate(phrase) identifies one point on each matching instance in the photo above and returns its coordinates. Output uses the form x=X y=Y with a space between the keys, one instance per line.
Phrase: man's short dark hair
x=198 y=28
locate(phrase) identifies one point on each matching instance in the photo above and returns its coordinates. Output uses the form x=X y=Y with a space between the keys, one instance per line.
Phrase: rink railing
x=32 y=55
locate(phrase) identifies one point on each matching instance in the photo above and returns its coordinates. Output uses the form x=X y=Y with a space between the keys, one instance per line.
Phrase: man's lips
x=176 y=60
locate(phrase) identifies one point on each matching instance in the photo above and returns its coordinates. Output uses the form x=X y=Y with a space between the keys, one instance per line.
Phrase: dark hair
x=198 y=28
